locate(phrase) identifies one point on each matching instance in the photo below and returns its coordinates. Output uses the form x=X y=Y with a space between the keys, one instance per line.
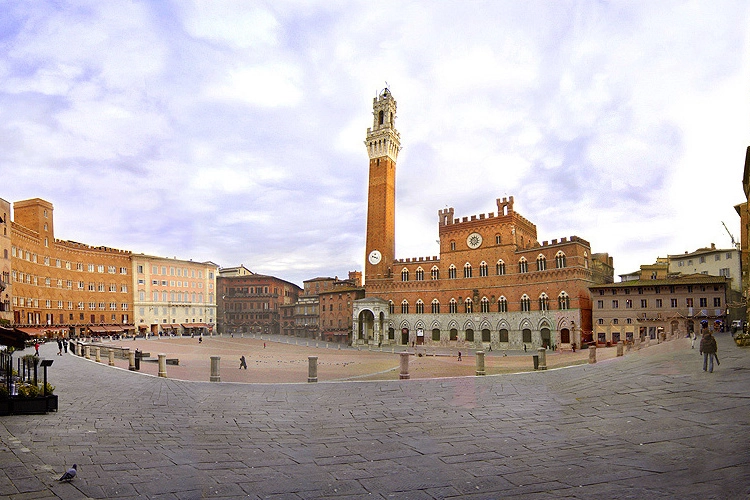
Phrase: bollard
x=592 y=354
x=78 y=349
x=131 y=360
x=620 y=347
x=404 y=366
x=480 y=364
x=312 y=368
x=87 y=352
x=542 y=358
x=98 y=353
x=111 y=357
x=215 y=376
x=163 y=365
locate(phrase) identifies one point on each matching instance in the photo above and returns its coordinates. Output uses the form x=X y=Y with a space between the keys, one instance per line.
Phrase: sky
x=233 y=131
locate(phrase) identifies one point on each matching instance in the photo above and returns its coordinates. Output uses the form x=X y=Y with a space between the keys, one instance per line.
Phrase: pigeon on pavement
x=69 y=474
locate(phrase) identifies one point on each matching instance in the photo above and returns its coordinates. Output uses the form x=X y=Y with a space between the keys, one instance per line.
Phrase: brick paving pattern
x=650 y=425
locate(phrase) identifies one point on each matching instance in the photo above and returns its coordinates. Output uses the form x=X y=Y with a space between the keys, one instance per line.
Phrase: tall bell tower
x=383 y=144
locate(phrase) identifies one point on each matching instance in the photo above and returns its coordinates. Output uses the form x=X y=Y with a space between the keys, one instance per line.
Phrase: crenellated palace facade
x=492 y=284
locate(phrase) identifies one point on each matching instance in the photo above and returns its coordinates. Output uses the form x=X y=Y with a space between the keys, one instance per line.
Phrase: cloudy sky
x=233 y=131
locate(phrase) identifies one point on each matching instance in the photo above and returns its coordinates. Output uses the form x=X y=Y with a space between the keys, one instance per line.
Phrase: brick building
x=64 y=287
x=493 y=283
x=253 y=303
x=336 y=307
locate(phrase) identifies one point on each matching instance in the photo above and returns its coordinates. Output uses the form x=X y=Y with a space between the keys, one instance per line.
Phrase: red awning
x=34 y=332
x=98 y=329
x=194 y=325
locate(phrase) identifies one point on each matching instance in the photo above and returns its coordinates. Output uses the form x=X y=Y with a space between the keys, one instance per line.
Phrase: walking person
x=459 y=355
x=692 y=340
x=243 y=363
x=65 y=345
x=708 y=347
x=59 y=346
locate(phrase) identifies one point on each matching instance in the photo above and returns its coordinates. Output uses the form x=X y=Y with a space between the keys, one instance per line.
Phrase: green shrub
x=28 y=391
x=4 y=391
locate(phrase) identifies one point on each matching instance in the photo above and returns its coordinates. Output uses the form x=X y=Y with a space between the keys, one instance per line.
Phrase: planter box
x=28 y=406
x=4 y=406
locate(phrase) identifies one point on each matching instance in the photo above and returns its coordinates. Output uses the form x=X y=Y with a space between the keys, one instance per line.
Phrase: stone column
x=215 y=376
x=592 y=354
x=131 y=360
x=98 y=354
x=111 y=357
x=87 y=351
x=404 y=366
x=312 y=368
x=542 y=358
x=620 y=347
x=79 y=350
x=480 y=363
x=163 y=365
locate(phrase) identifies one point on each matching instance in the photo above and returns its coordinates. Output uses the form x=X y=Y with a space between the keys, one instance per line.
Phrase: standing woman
x=708 y=347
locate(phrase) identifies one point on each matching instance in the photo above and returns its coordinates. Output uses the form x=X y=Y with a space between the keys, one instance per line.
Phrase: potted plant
x=30 y=400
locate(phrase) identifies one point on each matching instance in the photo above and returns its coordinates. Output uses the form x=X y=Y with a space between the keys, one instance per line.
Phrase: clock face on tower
x=374 y=257
x=474 y=240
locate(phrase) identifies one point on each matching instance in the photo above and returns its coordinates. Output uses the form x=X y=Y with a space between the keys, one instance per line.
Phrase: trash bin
x=536 y=361
x=137 y=359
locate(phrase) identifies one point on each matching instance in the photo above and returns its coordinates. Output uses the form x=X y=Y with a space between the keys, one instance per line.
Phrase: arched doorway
x=565 y=336
x=404 y=336
x=366 y=326
x=546 y=341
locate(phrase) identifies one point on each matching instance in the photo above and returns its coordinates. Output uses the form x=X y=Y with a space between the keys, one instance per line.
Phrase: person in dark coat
x=708 y=348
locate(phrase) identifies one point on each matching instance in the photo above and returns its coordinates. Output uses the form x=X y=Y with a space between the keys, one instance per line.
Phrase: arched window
x=435 y=306
x=563 y=301
x=483 y=269
x=525 y=303
x=404 y=274
x=467 y=270
x=541 y=263
x=404 y=307
x=500 y=267
x=485 y=305
x=452 y=272
x=468 y=305
x=420 y=307
x=435 y=273
x=419 y=274
x=391 y=307
x=523 y=265
x=543 y=302
x=453 y=306
x=560 y=260
x=502 y=305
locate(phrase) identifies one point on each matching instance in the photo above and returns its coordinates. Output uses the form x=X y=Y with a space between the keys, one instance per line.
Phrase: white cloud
x=235 y=129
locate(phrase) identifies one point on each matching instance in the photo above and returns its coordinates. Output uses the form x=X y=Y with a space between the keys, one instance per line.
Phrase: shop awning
x=97 y=329
x=194 y=325
x=34 y=332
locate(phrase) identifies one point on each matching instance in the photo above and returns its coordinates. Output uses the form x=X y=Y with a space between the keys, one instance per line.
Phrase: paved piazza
x=647 y=425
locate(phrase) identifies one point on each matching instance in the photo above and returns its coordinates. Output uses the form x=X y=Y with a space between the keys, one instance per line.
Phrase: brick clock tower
x=383 y=144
